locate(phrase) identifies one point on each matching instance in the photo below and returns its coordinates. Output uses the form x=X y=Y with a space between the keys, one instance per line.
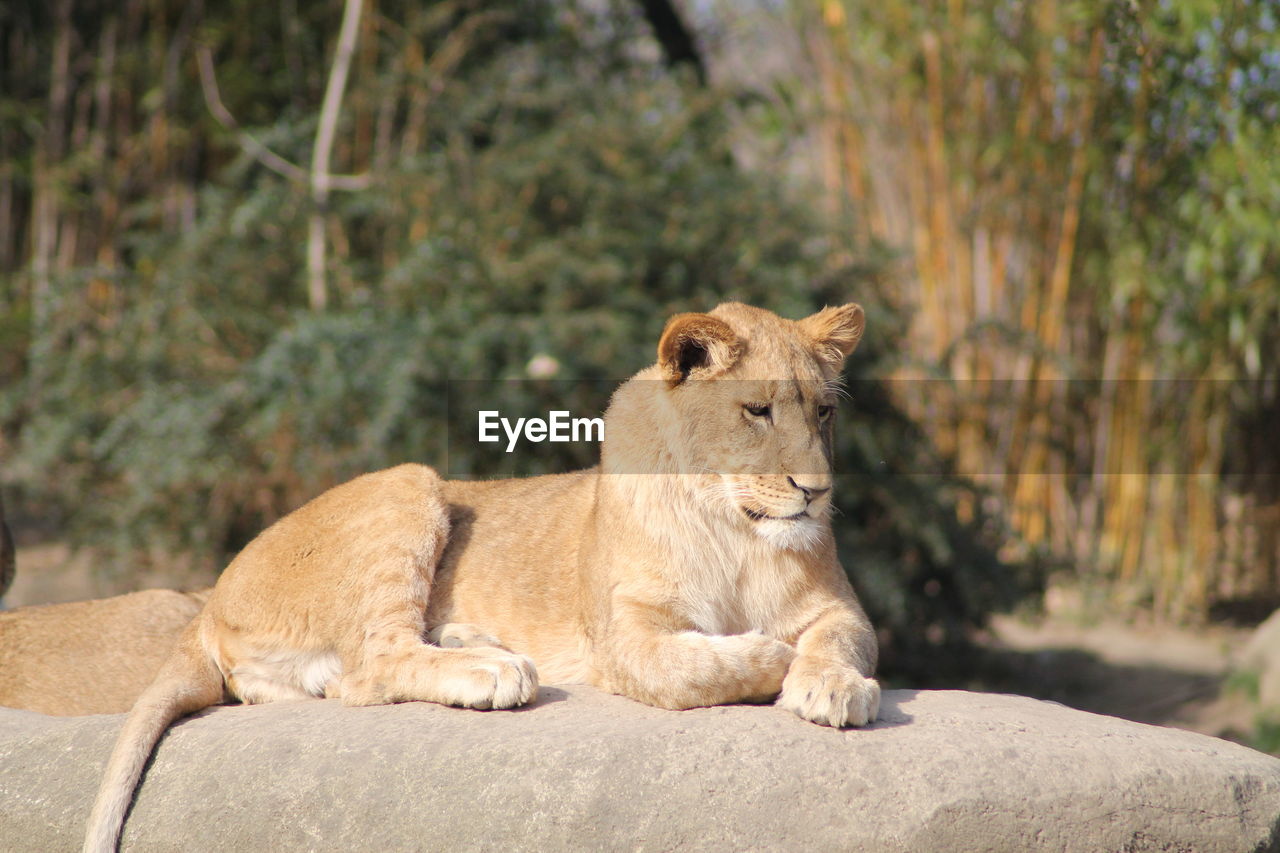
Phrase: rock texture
x=942 y=771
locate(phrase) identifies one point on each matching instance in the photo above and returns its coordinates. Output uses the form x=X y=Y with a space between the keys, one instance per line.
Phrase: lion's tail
x=188 y=681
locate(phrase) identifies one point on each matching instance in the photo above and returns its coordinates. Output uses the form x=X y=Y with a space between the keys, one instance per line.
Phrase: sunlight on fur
x=694 y=566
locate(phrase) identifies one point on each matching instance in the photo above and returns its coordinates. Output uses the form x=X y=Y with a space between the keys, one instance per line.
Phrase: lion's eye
x=757 y=411
x=825 y=412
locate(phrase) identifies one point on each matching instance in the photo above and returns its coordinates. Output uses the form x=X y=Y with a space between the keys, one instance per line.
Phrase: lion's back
x=89 y=657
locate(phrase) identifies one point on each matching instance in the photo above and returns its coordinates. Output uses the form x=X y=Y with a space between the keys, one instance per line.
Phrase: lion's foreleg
x=649 y=661
x=830 y=680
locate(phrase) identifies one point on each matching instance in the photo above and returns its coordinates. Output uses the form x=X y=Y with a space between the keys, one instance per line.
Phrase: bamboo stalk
x=938 y=211
x=999 y=243
x=1027 y=494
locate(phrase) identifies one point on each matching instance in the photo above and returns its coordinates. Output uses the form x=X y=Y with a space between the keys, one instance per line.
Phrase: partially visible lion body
x=90 y=657
x=694 y=566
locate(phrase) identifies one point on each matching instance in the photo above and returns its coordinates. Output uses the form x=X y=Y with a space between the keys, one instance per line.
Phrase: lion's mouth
x=756 y=515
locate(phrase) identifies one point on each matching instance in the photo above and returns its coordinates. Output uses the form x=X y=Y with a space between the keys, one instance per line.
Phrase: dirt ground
x=1164 y=675
x=1159 y=674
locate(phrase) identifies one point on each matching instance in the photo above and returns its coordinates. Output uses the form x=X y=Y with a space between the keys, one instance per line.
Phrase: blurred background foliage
x=1023 y=195
x=1088 y=200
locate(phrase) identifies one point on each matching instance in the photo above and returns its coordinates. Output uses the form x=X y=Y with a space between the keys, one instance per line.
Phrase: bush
x=566 y=198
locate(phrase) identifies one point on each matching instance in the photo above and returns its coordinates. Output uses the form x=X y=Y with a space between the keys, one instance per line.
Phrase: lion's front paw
x=830 y=694
x=761 y=661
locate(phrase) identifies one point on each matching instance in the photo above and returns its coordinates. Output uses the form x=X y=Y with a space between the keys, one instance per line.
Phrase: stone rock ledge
x=942 y=771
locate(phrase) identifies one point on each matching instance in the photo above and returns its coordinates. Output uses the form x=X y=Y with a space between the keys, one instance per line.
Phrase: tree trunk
x=317 y=289
x=8 y=564
x=677 y=42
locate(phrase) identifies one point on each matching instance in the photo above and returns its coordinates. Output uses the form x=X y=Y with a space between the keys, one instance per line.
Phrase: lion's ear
x=693 y=343
x=835 y=332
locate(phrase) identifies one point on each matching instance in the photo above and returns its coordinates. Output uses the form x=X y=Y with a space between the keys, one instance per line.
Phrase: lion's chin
x=799 y=532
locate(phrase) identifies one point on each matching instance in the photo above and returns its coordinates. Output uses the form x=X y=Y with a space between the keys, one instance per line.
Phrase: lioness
x=90 y=657
x=693 y=566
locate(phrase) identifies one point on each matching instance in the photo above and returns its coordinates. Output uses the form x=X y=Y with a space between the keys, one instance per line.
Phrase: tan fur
x=90 y=657
x=694 y=566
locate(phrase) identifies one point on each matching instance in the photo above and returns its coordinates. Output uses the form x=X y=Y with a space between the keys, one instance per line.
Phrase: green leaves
x=543 y=193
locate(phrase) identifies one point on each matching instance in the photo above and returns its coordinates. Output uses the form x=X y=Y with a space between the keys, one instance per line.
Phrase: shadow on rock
x=891 y=713
x=546 y=696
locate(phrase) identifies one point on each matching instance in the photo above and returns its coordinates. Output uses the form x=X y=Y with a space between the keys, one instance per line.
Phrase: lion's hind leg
x=282 y=675
x=399 y=667
x=390 y=530
x=391 y=662
x=388 y=660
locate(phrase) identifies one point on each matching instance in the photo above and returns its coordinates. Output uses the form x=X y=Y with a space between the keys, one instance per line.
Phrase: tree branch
x=255 y=149
x=250 y=144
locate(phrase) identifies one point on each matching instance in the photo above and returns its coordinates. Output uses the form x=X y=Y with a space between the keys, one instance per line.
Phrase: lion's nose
x=811 y=491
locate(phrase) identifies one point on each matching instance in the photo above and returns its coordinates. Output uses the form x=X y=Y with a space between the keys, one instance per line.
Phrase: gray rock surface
x=942 y=771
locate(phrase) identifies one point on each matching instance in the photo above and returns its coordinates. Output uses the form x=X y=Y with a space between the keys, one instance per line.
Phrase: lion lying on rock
x=90 y=657
x=694 y=566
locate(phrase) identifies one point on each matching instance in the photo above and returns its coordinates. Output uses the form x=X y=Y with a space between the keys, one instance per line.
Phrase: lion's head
x=743 y=403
